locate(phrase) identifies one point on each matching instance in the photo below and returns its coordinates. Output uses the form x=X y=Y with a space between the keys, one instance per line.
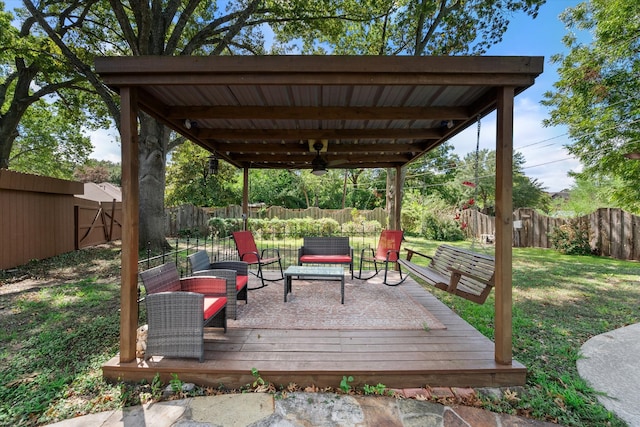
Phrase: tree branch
x=77 y=64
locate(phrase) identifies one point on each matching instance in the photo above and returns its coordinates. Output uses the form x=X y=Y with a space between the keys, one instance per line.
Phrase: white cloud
x=106 y=145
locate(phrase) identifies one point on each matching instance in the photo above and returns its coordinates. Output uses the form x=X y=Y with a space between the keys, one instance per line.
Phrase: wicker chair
x=388 y=251
x=179 y=309
x=235 y=272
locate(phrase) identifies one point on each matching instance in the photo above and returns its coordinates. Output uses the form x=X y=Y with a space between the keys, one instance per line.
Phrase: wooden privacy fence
x=185 y=217
x=97 y=222
x=36 y=217
x=189 y=217
x=340 y=215
x=612 y=232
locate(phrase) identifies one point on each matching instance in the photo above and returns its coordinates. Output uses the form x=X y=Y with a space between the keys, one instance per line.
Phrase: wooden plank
x=626 y=238
x=456 y=356
x=636 y=238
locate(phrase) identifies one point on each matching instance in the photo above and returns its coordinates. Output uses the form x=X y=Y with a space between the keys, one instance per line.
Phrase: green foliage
x=379 y=389
x=98 y=171
x=258 y=381
x=596 y=94
x=527 y=192
x=588 y=194
x=221 y=227
x=190 y=182
x=571 y=238
x=345 y=385
x=49 y=143
x=430 y=217
x=361 y=227
x=175 y=383
x=441 y=229
x=403 y=27
x=296 y=227
x=156 y=386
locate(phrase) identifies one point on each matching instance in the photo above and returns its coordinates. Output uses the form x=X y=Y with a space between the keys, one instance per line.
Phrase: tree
x=432 y=173
x=589 y=194
x=48 y=143
x=410 y=27
x=98 y=171
x=41 y=103
x=596 y=95
x=189 y=180
x=475 y=181
x=177 y=27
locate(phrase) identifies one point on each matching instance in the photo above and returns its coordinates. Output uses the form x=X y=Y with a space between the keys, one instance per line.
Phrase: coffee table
x=308 y=272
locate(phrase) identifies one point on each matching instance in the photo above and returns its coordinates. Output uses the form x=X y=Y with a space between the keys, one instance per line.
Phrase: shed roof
x=367 y=111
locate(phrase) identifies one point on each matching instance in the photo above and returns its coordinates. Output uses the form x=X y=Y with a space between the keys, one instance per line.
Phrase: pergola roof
x=264 y=111
x=267 y=111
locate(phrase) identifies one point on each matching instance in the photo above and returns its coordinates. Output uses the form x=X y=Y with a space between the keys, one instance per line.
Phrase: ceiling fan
x=319 y=165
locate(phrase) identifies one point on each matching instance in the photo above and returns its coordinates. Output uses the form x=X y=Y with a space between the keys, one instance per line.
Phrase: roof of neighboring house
x=103 y=192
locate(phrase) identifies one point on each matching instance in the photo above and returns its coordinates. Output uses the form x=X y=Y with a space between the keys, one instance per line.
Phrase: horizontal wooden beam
x=336 y=160
x=305 y=65
x=296 y=147
x=306 y=134
x=318 y=113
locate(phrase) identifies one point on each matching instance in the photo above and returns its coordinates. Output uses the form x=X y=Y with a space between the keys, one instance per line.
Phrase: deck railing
x=223 y=248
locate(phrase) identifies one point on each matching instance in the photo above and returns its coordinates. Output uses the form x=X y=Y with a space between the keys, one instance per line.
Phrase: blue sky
x=546 y=159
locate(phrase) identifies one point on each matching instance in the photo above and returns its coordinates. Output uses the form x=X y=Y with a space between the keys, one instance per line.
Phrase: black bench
x=326 y=250
x=461 y=272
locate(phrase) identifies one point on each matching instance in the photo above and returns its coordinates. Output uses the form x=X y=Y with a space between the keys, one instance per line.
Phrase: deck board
x=458 y=356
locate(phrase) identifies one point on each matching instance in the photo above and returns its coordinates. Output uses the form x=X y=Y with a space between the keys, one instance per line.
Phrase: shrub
x=365 y=227
x=571 y=238
x=221 y=227
x=440 y=228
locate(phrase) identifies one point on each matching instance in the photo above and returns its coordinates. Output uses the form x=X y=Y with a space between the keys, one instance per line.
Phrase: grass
x=559 y=302
x=59 y=323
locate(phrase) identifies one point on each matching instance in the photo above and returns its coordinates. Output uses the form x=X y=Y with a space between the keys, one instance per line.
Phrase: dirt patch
x=99 y=262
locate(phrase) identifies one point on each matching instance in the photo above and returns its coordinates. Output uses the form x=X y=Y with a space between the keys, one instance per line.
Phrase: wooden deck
x=459 y=356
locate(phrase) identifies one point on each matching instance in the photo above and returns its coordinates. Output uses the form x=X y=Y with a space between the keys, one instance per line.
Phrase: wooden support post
x=245 y=198
x=130 y=207
x=398 y=202
x=504 y=226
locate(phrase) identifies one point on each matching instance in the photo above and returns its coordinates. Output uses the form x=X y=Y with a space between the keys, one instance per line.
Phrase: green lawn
x=55 y=335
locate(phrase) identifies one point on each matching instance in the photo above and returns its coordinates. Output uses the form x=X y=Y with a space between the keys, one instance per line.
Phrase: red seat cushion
x=212 y=305
x=241 y=282
x=329 y=259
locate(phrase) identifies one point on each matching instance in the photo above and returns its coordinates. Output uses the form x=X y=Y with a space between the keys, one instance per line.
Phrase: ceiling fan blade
x=336 y=162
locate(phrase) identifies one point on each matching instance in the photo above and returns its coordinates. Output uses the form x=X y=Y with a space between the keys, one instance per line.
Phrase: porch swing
x=465 y=273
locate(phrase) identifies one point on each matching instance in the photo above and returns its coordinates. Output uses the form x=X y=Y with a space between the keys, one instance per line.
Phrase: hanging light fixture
x=319 y=165
x=213 y=164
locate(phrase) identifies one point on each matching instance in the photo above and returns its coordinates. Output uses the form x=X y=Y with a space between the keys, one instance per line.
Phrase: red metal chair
x=388 y=251
x=248 y=252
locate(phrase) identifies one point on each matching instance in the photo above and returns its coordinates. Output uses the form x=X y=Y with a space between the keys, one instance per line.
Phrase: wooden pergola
x=366 y=112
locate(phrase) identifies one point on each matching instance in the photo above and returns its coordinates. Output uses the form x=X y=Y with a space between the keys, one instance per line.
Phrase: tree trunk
x=8 y=134
x=154 y=139
x=391 y=192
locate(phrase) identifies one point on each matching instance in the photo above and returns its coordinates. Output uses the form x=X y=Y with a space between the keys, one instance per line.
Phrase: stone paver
x=610 y=364
x=303 y=410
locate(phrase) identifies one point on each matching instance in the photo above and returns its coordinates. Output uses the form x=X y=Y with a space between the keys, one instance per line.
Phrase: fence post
x=149 y=255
